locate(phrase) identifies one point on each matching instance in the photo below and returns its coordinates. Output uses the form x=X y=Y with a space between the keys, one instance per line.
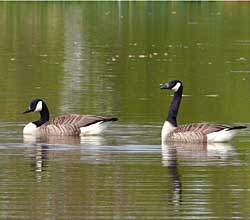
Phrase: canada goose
x=195 y=133
x=72 y=124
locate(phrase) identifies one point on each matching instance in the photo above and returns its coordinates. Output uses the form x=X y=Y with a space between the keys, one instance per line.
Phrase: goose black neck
x=174 y=107
x=44 y=116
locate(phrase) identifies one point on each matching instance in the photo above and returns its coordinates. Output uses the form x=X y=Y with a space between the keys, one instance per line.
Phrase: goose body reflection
x=193 y=152
x=65 y=140
x=192 y=133
x=65 y=125
x=174 y=155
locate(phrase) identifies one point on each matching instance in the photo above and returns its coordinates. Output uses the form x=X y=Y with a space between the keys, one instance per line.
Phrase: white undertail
x=221 y=136
x=94 y=129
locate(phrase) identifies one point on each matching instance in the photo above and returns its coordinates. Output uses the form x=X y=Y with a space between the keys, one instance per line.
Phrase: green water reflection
x=109 y=58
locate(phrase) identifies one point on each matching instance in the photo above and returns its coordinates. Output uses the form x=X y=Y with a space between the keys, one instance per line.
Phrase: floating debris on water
x=242 y=59
x=133 y=44
x=212 y=95
x=12 y=59
x=43 y=55
x=165 y=54
x=131 y=56
x=113 y=59
x=183 y=95
x=240 y=71
x=142 y=56
x=155 y=54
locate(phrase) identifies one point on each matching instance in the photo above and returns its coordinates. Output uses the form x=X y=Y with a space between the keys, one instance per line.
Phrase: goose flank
x=72 y=124
x=192 y=133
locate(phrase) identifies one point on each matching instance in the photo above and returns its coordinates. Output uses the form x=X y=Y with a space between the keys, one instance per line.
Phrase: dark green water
x=109 y=58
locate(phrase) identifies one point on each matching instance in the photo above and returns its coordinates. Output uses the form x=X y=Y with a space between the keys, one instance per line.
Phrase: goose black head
x=174 y=85
x=36 y=105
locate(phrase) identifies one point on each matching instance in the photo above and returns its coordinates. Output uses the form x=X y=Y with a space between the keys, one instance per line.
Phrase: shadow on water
x=174 y=154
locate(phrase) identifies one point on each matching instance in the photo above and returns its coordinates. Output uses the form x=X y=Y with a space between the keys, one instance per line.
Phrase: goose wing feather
x=79 y=120
x=195 y=133
x=71 y=124
x=203 y=128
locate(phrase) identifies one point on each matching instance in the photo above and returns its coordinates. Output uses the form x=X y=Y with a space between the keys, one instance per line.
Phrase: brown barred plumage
x=70 y=124
x=204 y=128
x=195 y=133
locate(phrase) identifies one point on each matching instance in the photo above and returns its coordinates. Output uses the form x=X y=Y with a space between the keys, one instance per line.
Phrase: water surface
x=109 y=58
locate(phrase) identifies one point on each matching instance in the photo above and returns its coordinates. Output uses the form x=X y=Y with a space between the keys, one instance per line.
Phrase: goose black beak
x=164 y=86
x=27 y=111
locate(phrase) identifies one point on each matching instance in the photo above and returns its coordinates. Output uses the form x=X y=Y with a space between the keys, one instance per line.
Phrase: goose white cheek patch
x=176 y=87
x=39 y=106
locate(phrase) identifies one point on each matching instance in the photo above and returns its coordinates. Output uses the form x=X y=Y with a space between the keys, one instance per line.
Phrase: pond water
x=109 y=58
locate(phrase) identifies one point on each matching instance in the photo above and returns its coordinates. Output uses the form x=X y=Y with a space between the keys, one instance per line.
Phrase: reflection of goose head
x=176 y=151
x=38 y=155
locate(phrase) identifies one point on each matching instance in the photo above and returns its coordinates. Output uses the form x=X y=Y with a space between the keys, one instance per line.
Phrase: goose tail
x=224 y=135
x=111 y=119
x=97 y=127
x=237 y=127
